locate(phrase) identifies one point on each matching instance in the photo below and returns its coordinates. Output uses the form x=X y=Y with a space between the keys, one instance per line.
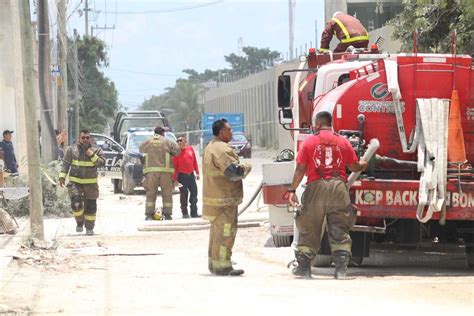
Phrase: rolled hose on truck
x=200 y=224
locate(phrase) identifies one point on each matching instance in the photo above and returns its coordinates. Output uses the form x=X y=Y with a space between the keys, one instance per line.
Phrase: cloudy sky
x=154 y=40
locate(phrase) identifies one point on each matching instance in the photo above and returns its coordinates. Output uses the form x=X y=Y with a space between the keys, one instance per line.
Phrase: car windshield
x=136 y=139
x=239 y=138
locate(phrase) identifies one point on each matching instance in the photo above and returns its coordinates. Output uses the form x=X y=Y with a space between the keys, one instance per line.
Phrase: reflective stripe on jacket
x=218 y=190
x=82 y=169
x=347 y=29
x=158 y=151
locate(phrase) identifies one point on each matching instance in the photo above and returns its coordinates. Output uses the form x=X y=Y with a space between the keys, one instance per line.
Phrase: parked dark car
x=241 y=145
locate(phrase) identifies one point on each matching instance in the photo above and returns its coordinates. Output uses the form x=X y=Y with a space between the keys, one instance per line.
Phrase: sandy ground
x=123 y=271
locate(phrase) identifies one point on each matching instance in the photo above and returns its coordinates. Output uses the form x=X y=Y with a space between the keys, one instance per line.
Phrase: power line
x=191 y=7
x=143 y=73
x=75 y=9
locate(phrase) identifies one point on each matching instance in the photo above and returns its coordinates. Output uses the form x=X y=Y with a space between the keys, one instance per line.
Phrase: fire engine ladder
x=430 y=139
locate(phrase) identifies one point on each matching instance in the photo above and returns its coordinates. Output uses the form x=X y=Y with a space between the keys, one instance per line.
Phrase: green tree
x=434 y=22
x=181 y=102
x=99 y=96
x=207 y=75
x=255 y=59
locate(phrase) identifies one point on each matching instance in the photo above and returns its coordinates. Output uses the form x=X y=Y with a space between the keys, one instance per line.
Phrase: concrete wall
x=12 y=114
x=389 y=45
x=256 y=97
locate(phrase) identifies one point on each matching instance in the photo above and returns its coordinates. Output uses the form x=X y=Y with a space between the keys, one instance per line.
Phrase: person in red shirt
x=185 y=165
x=324 y=158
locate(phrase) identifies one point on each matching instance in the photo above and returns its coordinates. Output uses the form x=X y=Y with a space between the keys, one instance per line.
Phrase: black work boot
x=79 y=228
x=89 y=232
x=302 y=268
x=167 y=217
x=229 y=271
x=341 y=259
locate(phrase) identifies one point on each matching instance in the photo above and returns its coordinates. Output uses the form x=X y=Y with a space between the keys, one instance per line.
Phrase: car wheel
x=117 y=185
x=127 y=185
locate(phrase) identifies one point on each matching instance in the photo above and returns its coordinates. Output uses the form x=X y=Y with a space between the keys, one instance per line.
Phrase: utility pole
x=86 y=16
x=48 y=137
x=291 y=15
x=62 y=82
x=76 y=87
x=32 y=139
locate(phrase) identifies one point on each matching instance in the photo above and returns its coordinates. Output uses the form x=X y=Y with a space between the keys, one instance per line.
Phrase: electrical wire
x=191 y=7
x=143 y=73
x=75 y=9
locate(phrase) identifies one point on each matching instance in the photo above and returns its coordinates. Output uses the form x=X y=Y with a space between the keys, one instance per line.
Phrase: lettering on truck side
x=407 y=198
x=112 y=164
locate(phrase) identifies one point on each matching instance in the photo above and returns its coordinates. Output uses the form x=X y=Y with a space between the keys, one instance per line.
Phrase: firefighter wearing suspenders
x=347 y=29
x=81 y=161
x=158 y=172
x=323 y=158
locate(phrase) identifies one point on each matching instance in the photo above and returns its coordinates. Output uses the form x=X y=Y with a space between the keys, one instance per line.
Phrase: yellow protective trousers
x=222 y=237
x=153 y=181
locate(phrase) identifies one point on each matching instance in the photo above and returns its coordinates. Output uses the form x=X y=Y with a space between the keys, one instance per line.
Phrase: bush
x=56 y=201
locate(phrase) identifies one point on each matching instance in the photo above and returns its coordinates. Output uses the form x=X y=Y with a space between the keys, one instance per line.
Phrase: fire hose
x=201 y=224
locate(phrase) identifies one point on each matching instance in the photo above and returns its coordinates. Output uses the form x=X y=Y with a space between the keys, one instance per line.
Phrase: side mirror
x=285 y=116
x=284 y=91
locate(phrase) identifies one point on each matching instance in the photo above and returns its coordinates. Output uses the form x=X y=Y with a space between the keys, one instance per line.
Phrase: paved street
x=125 y=271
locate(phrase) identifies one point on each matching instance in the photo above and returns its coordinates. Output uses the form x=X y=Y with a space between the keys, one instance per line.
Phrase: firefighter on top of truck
x=347 y=29
x=158 y=172
x=222 y=193
x=323 y=158
x=81 y=161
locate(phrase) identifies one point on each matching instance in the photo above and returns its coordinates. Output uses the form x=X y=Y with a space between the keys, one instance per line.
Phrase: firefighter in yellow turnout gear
x=222 y=193
x=158 y=172
x=81 y=161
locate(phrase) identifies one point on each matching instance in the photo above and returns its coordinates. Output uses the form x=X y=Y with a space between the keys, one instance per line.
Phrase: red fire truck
x=420 y=183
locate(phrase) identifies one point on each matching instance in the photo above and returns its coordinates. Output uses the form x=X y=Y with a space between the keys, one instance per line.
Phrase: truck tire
x=470 y=256
x=322 y=261
x=282 y=241
x=127 y=186
x=117 y=186
x=356 y=261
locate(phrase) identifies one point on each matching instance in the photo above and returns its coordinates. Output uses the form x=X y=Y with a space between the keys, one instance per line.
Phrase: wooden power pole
x=32 y=139
x=77 y=105
x=48 y=137
x=63 y=91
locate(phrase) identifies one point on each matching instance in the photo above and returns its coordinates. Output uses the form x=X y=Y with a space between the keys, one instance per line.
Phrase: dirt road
x=123 y=271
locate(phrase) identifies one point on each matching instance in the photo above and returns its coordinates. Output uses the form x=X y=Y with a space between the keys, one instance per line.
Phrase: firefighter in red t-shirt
x=324 y=158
